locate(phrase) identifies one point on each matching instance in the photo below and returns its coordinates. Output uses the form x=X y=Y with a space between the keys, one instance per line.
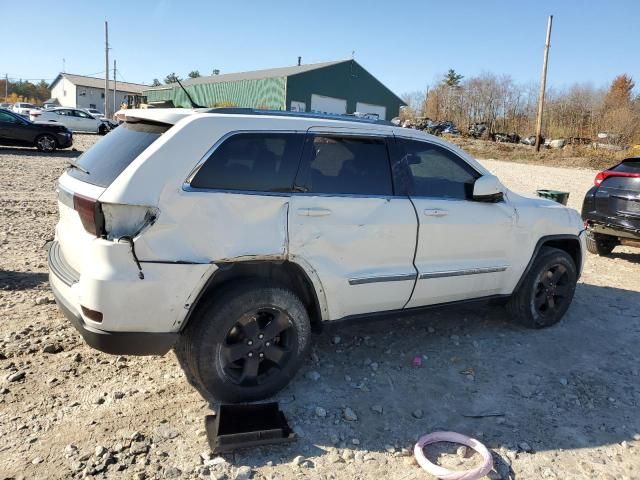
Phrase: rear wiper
x=73 y=164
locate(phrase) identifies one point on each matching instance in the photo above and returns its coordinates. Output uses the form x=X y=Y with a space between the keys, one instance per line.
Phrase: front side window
x=428 y=170
x=81 y=114
x=263 y=162
x=347 y=165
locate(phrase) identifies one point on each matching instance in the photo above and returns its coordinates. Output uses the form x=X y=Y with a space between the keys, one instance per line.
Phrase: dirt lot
x=575 y=156
x=562 y=403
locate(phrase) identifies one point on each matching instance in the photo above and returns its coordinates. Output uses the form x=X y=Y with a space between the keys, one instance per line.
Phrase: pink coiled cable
x=445 y=474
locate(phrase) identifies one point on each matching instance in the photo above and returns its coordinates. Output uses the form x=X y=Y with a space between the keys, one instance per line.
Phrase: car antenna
x=193 y=104
x=73 y=164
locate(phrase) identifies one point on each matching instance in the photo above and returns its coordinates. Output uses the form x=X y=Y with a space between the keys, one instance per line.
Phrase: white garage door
x=369 y=108
x=322 y=104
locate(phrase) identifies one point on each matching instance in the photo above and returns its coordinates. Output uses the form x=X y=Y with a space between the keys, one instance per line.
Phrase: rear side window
x=347 y=165
x=115 y=151
x=263 y=162
x=428 y=170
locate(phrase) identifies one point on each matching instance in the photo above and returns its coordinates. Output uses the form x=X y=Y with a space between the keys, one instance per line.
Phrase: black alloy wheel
x=551 y=290
x=546 y=291
x=258 y=346
x=245 y=342
x=46 y=143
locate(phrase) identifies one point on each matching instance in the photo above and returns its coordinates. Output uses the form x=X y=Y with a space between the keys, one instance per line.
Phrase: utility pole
x=6 y=86
x=106 y=67
x=543 y=84
x=114 y=86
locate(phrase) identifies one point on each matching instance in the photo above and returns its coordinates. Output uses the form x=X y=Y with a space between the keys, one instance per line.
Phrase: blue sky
x=405 y=44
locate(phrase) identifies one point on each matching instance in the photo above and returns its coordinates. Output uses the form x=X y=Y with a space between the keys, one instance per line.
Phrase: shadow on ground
x=572 y=386
x=32 y=152
x=629 y=257
x=10 y=280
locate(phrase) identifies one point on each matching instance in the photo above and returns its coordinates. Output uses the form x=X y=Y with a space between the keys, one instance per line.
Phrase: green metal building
x=332 y=87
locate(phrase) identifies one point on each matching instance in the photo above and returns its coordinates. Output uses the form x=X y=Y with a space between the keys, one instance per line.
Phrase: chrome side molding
x=458 y=273
x=382 y=278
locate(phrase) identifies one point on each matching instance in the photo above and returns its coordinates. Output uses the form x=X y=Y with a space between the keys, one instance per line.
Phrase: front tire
x=46 y=143
x=245 y=344
x=546 y=292
x=600 y=244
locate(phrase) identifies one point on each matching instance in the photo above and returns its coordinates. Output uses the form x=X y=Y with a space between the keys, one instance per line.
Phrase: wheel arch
x=568 y=243
x=297 y=276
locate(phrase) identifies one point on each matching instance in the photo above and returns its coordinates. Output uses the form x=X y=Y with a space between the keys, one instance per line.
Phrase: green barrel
x=555 y=195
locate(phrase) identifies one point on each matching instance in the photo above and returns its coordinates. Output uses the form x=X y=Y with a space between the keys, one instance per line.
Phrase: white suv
x=229 y=233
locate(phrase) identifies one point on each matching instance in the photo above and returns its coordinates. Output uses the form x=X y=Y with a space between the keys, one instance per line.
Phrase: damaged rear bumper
x=115 y=343
x=622 y=231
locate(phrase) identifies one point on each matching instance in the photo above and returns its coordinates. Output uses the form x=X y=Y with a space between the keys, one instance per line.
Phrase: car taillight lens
x=602 y=176
x=126 y=220
x=90 y=212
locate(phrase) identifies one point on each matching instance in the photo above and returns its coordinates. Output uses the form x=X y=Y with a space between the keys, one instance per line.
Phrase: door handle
x=435 y=212
x=314 y=212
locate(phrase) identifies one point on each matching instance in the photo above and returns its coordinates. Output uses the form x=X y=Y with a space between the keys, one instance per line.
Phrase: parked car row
x=15 y=130
x=74 y=119
x=23 y=124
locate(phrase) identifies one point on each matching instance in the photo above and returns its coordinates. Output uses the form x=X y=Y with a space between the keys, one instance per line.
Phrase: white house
x=78 y=91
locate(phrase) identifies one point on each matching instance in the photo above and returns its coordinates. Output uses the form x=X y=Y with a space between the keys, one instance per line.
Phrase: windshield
x=108 y=158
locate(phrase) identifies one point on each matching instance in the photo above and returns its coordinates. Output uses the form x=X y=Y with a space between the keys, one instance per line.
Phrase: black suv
x=611 y=209
x=46 y=137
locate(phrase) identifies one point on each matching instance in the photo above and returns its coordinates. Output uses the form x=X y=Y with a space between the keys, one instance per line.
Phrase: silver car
x=74 y=119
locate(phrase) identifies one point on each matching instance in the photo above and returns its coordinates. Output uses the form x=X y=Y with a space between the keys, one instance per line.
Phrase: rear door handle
x=314 y=212
x=435 y=212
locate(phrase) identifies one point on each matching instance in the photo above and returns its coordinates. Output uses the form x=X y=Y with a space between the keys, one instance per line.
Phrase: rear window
x=630 y=165
x=115 y=151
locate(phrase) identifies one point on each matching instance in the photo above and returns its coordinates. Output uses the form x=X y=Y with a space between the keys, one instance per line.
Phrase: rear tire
x=546 y=292
x=245 y=344
x=600 y=244
x=46 y=143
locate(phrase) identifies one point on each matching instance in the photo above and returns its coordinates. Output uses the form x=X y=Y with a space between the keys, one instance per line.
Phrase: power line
x=16 y=78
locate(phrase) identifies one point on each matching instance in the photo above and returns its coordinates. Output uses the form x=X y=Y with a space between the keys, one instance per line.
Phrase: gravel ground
x=560 y=403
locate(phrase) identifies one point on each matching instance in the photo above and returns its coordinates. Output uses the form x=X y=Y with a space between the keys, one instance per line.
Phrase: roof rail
x=349 y=117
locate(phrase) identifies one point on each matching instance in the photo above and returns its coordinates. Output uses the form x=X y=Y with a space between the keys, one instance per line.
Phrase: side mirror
x=488 y=188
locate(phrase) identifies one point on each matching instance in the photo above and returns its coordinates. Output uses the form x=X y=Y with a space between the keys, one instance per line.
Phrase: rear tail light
x=90 y=212
x=602 y=176
x=126 y=220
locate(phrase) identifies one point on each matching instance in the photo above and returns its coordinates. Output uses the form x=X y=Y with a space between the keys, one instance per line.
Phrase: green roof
x=253 y=75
